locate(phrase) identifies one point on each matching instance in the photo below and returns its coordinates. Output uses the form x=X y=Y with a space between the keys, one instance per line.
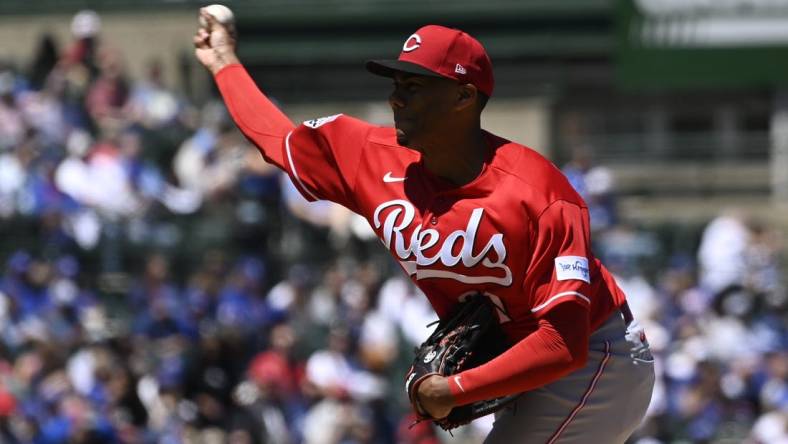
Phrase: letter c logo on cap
x=412 y=43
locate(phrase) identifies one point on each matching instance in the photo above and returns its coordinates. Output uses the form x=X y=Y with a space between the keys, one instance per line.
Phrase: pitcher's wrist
x=223 y=59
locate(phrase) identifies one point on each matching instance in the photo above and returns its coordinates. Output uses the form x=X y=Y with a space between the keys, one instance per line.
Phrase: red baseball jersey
x=519 y=232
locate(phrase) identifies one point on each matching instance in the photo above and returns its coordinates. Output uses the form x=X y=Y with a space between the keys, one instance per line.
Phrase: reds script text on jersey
x=518 y=233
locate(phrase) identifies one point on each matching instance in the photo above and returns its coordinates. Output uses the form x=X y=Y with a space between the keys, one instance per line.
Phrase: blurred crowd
x=161 y=284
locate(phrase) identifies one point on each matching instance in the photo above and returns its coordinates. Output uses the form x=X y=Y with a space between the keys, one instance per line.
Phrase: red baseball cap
x=443 y=52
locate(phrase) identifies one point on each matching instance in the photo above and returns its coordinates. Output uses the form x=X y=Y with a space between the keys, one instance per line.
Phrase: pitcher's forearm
x=256 y=116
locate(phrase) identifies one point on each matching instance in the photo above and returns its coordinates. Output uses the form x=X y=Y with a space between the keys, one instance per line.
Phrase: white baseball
x=221 y=13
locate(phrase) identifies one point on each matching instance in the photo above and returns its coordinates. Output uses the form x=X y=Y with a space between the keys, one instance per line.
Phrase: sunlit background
x=159 y=283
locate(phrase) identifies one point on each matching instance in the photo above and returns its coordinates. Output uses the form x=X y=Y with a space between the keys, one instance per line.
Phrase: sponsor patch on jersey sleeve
x=572 y=267
x=317 y=123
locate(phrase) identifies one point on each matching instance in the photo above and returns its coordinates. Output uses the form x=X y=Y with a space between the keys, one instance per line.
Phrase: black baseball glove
x=467 y=338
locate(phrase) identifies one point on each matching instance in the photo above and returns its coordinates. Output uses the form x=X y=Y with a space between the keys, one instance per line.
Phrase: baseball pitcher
x=533 y=327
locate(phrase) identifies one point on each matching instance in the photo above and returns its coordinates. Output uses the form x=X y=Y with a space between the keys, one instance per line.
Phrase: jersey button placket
x=437 y=204
x=433 y=218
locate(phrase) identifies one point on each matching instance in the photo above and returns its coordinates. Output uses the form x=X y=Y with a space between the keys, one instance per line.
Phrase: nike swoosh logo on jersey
x=388 y=178
x=457 y=381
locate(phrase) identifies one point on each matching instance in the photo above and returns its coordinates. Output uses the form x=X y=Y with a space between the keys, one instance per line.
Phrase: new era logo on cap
x=444 y=52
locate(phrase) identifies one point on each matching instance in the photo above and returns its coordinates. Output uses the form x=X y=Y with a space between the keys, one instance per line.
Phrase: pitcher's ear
x=466 y=95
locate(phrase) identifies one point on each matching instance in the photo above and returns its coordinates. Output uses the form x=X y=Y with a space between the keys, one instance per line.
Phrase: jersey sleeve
x=561 y=266
x=322 y=157
x=557 y=347
x=256 y=116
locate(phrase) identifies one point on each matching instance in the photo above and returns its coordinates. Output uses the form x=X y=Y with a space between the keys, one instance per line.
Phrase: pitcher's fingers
x=201 y=39
x=210 y=20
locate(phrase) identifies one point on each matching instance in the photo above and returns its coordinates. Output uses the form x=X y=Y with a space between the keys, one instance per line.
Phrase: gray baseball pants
x=601 y=403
